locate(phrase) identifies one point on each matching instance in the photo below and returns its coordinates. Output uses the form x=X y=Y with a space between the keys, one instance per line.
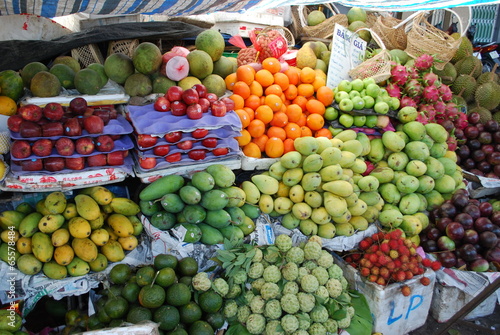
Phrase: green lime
x=138 y=313
x=145 y=275
x=116 y=307
x=167 y=316
x=114 y=291
x=103 y=317
x=116 y=323
x=190 y=312
x=120 y=273
x=131 y=292
x=165 y=277
x=216 y=320
x=165 y=261
x=201 y=328
x=93 y=323
x=188 y=266
x=152 y=296
x=210 y=302
x=178 y=331
x=71 y=317
x=178 y=294
x=186 y=280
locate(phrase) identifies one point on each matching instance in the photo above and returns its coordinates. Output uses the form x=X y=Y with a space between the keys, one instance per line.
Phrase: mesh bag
x=424 y=38
x=322 y=30
x=385 y=28
x=125 y=47
x=378 y=67
x=87 y=55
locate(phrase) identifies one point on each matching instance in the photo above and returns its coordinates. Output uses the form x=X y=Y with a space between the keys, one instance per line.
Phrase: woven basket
x=125 y=47
x=287 y=34
x=87 y=55
x=424 y=38
x=378 y=67
x=322 y=30
x=393 y=36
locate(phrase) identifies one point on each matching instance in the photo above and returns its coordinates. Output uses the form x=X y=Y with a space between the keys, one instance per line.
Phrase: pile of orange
x=277 y=107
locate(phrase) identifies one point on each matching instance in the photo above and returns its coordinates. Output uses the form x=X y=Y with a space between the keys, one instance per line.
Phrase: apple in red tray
x=103 y=114
x=197 y=154
x=42 y=147
x=161 y=150
x=72 y=127
x=65 y=146
x=190 y=96
x=147 y=162
x=174 y=136
x=75 y=163
x=211 y=97
x=229 y=103
x=174 y=93
x=185 y=145
x=32 y=165
x=199 y=133
x=194 y=112
x=173 y=157
x=84 y=145
x=219 y=108
x=20 y=149
x=115 y=158
x=220 y=151
x=52 y=129
x=205 y=104
x=30 y=129
x=162 y=104
x=53 y=111
x=178 y=108
x=210 y=142
x=53 y=164
x=13 y=122
x=146 y=141
x=97 y=160
x=201 y=89
x=30 y=112
x=104 y=143
x=78 y=105
x=93 y=124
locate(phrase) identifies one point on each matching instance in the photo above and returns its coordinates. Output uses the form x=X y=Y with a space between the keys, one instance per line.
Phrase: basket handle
x=423 y=13
x=301 y=10
x=374 y=36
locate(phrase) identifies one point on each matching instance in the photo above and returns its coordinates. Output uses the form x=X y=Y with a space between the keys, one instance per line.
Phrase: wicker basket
x=393 y=36
x=323 y=30
x=287 y=34
x=87 y=55
x=125 y=47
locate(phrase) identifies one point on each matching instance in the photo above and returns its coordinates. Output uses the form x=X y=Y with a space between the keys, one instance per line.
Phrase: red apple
x=197 y=154
x=20 y=149
x=93 y=124
x=32 y=165
x=89 y=111
x=173 y=157
x=205 y=104
x=199 y=133
x=113 y=113
x=104 y=114
x=65 y=146
x=229 y=103
x=178 y=108
x=185 y=145
x=30 y=112
x=52 y=129
x=162 y=104
x=84 y=145
x=104 y=143
x=174 y=93
x=146 y=141
x=161 y=150
x=75 y=163
x=97 y=160
x=194 y=112
x=211 y=97
x=78 y=105
x=72 y=127
x=201 y=89
x=147 y=162
x=115 y=158
x=190 y=96
x=210 y=142
x=13 y=122
x=218 y=108
x=173 y=137
x=53 y=164
x=30 y=129
x=53 y=111
x=42 y=147
x=220 y=151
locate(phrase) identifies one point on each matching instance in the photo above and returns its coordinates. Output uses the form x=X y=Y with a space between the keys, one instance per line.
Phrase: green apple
x=372 y=90
x=394 y=104
x=371 y=121
x=331 y=114
x=387 y=99
x=336 y=90
x=341 y=95
x=369 y=101
x=357 y=85
x=362 y=93
x=345 y=85
x=353 y=94
x=346 y=105
x=383 y=91
x=368 y=81
x=359 y=120
x=358 y=102
x=346 y=120
x=381 y=107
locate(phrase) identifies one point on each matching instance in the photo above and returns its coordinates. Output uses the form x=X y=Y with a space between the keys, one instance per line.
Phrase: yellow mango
x=64 y=254
x=121 y=225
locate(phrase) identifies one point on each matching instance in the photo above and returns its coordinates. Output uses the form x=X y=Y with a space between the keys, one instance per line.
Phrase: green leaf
x=339 y=314
x=319 y=300
x=362 y=322
x=237 y=329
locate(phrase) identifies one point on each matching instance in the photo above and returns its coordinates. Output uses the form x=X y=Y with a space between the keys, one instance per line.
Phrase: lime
x=186 y=280
x=103 y=317
x=93 y=322
x=188 y=266
x=190 y=312
x=152 y=296
x=201 y=328
x=114 y=291
x=116 y=323
x=216 y=320
x=165 y=261
x=178 y=294
x=167 y=316
x=71 y=317
x=138 y=313
x=116 y=307
x=210 y=302
x=178 y=331
x=120 y=273
x=165 y=277
x=131 y=292
x=145 y=275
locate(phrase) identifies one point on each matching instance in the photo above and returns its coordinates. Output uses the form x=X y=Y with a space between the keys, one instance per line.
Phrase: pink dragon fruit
x=399 y=76
x=393 y=90
x=413 y=88
x=461 y=122
x=445 y=92
x=424 y=62
x=452 y=143
x=430 y=78
x=431 y=93
x=428 y=111
x=422 y=118
x=440 y=107
x=407 y=101
x=412 y=73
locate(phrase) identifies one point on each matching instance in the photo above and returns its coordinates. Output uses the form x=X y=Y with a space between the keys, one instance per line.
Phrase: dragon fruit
x=452 y=143
x=412 y=73
x=399 y=76
x=428 y=111
x=430 y=78
x=407 y=101
x=440 y=107
x=430 y=93
x=422 y=118
x=424 y=62
x=445 y=92
x=413 y=88
x=461 y=122
x=451 y=112
x=394 y=90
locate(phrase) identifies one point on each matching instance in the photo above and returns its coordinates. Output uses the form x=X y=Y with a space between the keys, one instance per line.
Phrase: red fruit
x=373 y=258
x=425 y=281
x=395 y=234
x=393 y=254
x=409 y=274
x=173 y=137
x=146 y=141
x=385 y=273
x=404 y=258
x=104 y=114
x=72 y=127
x=220 y=151
x=375 y=270
x=185 y=145
x=78 y=105
x=372 y=278
x=400 y=275
x=356 y=256
x=42 y=147
x=178 y=108
x=364 y=244
x=29 y=129
x=435 y=265
x=391 y=265
x=104 y=143
x=162 y=104
x=211 y=97
x=384 y=259
x=397 y=263
x=53 y=164
x=381 y=281
x=174 y=93
x=53 y=111
x=406 y=290
x=75 y=163
x=52 y=129
x=161 y=150
x=96 y=160
x=21 y=149
x=32 y=165
x=173 y=157
x=201 y=89
x=13 y=122
x=199 y=133
x=385 y=247
x=393 y=244
x=365 y=272
x=190 y=96
x=30 y=112
x=93 y=124
x=373 y=248
x=403 y=250
x=218 y=108
x=197 y=154
x=210 y=142
x=147 y=162
x=84 y=145
x=115 y=158
x=194 y=111
x=426 y=262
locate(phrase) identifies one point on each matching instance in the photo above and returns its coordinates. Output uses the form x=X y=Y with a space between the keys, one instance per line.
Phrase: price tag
x=494 y=54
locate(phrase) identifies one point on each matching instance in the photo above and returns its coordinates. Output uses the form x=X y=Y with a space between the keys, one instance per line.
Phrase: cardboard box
x=392 y=312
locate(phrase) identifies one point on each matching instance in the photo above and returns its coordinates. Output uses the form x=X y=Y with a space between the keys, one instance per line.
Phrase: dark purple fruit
x=473 y=117
x=479 y=265
x=445 y=243
x=455 y=231
x=441 y=223
x=488 y=239
x=493 y=158
x=447 y=259
x=496 y=137
x=471 y=132
x=482 y=224
x=472 y=210
x=493 y=255
x=459 y=134
x=491 y=126
x=469 y=164
x=495 y=218
x=468 y=252
x=447 y=210
x=429 y=246
x=460 y=200
x=474 y=144
x=465 y=220
x=484 y=167
x=478 y=155
x=488 y=149
x=470 y=236
x=463 y=151
x=433 y=234
x=486 y=208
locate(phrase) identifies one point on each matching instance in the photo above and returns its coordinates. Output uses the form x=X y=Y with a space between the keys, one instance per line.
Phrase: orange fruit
x=282 y=80
x=273 y=89
x=305 y=90
x=256 y=88
x=274 y=147
x=230 y=80
x=264 y=113
x=252 y=150
x=325 y=95
x=305 y=131
x=278 y=132
x=244 y=118
x=323 y=132
x=250 y=112
x=274 y=102
x=264 y=77
x=303 y=120
x=261 y=141
x=256 y=128
x=8 y=106
x=293 y=74
x=280 y=119
x=242 y=89
x=292 y=130
x=294 y=112
x=252 y=102
x=318 y=82
x=316 y=107
x=291 y=92
x=244 y=138
x=238 y=101
x=315 y=121
x=245 y=73
x=271 y=64
x=288 y=145
x=307 y=75
x=301 y=102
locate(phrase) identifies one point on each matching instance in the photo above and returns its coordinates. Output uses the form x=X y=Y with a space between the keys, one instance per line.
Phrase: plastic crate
x=87 y=55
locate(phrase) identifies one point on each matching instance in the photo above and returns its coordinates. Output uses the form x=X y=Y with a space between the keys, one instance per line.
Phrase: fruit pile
x=208 y=207
x=480 y=154
x=464 y=233
x=386 y=258
x=70 y=237
x=286 y=289
x=54 y=138
x=277 y=105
